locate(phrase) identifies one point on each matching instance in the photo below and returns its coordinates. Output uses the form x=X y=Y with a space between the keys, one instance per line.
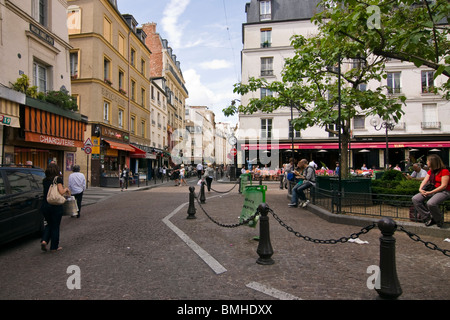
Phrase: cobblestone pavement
x=125 y=249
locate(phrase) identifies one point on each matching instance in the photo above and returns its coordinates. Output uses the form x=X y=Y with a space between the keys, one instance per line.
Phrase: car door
x=24 y=201
x=6 y=212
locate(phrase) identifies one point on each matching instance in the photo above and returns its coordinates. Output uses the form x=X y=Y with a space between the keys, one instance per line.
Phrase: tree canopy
x=354 y=39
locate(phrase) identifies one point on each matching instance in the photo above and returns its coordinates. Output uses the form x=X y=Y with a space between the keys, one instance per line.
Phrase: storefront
x=47 y=133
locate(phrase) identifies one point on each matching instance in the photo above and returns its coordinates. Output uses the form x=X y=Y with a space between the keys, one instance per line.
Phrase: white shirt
x=77 y=183
x=421 y=174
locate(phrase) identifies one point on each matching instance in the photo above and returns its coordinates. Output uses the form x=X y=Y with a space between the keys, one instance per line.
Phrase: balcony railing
x=431 y=125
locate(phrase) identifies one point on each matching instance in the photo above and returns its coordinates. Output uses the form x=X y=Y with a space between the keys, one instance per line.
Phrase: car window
x=38 y=178
x=19 y=181
x=2 y=186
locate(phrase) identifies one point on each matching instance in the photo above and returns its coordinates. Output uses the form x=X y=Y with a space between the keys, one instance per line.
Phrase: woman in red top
x=439 y=176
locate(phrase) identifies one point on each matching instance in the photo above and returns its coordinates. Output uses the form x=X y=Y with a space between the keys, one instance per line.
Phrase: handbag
x=430 y=186
x=70 y=207
x=290 y=176
x=53 y=195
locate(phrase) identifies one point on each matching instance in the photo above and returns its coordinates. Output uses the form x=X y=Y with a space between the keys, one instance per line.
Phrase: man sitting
x=309 y=180
x=418 y=173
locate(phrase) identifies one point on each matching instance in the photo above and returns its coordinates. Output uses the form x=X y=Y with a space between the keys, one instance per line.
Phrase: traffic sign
x=88 y=143
x=87 y=150
x=233 y=152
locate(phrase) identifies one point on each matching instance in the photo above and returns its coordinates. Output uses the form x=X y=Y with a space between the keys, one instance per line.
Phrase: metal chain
x=320 y=241
x=428 y=244
x=226 y=191
x=246 y=221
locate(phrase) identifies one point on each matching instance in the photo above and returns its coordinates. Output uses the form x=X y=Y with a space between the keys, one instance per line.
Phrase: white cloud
x=171 y=14
x=216 y=64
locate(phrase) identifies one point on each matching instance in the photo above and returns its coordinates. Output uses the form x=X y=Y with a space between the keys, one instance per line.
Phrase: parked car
x=21 y=194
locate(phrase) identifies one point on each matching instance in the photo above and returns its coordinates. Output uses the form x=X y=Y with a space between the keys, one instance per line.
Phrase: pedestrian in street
x=309 y=180
x=77 y=185
x=182 y=176
x=209 y=175
x=434 y=189
x=124 y=176
x=52 y=213
x=199 y=170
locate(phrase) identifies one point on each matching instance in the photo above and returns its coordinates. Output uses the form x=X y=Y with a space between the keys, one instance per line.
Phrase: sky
x=206 y=37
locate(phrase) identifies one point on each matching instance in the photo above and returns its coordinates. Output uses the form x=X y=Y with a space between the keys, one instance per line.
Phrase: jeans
x=432 y=206
x=52 y=215
x=297 y=191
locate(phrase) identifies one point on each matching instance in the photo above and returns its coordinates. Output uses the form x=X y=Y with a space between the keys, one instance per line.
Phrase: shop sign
x=111 y=133
x=57 y=141
x=5 y=120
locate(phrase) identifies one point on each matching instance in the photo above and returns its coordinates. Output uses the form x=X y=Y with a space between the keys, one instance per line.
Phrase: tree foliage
x=324 y=76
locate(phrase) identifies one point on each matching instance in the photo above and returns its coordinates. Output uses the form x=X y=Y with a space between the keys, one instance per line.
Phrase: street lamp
x=387 y=125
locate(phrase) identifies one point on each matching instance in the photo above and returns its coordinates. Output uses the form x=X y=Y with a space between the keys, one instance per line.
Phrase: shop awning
x=353 y=145
x=138 y=153
x=119 y=146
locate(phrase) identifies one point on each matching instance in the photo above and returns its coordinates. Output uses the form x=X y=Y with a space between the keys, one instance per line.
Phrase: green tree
x=327 y=70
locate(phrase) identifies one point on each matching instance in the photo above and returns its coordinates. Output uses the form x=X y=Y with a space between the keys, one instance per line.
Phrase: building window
x=133 y=57
x=107 y=29
x=427 y=81
x=120 y=120
x=266 y=93
x=133 y=90
x=266 y=38
x=430 y=116
x=106 y=111
x=265 y=10
x=266 y=67
x=40 y=75
x=297 y=134
x=122 y=45
x=43 y=12
x=266 y=128
x=143 y=126
x=143 y=67
x=107 y=71
x=121 y=80
x=143 y=94
x=359 y=122
x=133 y=124
x=74 y=65
x=393 y=82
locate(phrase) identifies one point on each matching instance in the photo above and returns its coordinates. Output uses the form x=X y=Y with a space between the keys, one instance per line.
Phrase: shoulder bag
x=430 y=186
x=53 y=195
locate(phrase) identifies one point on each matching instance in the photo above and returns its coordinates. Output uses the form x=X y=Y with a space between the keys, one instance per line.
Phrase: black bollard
x=202 y=193
x=264 y=250
x=389 y=284
x=260 y=180
x=191 y=209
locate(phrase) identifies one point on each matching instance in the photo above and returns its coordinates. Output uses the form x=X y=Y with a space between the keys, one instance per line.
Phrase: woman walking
x=52 y=213
x=209 y=175
x=434 y=189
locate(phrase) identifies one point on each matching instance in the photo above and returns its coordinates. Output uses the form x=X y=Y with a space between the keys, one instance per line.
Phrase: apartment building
x=164 y=64
x=110 y=72
x=423 y=129
x=200 y=140
x=34 y=42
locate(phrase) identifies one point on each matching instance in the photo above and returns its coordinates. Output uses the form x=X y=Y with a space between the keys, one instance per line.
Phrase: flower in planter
x=107 y=81
x=122 y=91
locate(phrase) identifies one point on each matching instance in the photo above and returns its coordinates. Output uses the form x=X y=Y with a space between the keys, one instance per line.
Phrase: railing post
x=389 y=284
x=202 y=193
x=264 y=250
x=191 y=208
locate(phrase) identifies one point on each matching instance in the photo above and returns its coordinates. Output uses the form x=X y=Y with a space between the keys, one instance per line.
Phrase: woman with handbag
x=52 y=213
x=434 y=189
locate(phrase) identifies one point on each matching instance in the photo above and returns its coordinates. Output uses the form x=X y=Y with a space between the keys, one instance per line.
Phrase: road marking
x=271 y=291
x=205 y=256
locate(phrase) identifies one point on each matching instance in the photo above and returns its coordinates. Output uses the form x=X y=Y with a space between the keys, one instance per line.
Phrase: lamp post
x=387 y=125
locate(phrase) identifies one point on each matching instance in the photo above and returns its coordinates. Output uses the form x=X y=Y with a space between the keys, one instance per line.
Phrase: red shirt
x=438 y=178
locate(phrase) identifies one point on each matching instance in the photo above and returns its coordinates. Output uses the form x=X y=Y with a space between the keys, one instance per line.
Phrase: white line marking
x=205 y=256
x=271 y=291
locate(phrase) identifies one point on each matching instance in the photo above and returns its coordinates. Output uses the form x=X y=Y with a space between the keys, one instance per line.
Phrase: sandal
x=44 y=246
x=59 y=248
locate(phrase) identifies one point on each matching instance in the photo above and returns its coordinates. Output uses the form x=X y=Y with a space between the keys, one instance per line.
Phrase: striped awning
x=9 y=113
x=50 y=128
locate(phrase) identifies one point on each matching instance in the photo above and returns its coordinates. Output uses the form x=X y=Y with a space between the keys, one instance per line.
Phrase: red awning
x=138 y=153
x=119 y=146
x=353 y=145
